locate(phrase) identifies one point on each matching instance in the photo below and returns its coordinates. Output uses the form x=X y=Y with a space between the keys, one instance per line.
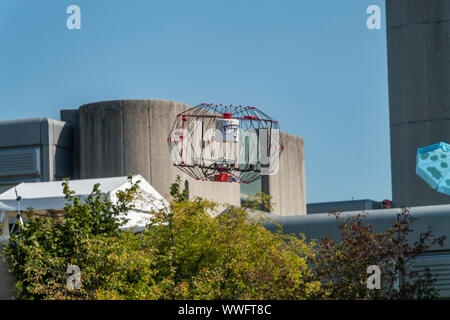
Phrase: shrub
x=183 y=253
x=342 y=266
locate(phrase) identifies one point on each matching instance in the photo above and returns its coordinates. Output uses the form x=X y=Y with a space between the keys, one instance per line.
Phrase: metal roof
x=317 y=226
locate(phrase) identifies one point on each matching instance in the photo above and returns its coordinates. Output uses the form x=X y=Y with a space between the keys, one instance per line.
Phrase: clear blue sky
x=312 y=65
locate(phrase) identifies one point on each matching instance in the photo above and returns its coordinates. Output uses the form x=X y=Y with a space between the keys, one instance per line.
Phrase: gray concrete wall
x=163 y=173
x=287 y=187
x=115 y=138
x=57 y=149
x=437 y=258
x=118 y=138
x=71 y=117
x=418 y=41
x=317 y=226
x=53 y=140
x=351 y=205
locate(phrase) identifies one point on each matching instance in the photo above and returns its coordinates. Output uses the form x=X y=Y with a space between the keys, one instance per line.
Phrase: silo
x=418 y=43
x=117 y=138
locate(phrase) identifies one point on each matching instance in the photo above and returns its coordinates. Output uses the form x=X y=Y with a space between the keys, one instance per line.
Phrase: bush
x=184 y=253
x=228 y=257
x=41 y=251
x=342 y=266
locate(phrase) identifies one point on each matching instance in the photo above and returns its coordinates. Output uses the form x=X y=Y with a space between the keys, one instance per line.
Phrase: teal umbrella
x=433 y=166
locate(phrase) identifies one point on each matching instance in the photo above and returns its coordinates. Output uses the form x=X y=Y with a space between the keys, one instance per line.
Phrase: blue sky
x=312 y=65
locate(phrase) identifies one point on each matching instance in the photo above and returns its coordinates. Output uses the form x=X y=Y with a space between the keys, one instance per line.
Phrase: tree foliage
x=342 y=266
x=40 y=252
x=183 y=253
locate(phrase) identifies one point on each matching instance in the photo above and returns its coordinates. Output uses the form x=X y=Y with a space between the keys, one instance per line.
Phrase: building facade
x=342 y=206
x=34 y=150
x=437 y=258
x=418 y=43
x=118 y=138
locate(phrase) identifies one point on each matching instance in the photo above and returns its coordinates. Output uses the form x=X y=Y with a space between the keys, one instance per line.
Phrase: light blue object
x=433 y=166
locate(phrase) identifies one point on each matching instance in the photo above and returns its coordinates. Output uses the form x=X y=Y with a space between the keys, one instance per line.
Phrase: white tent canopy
x=4 y=207
x=49 y=195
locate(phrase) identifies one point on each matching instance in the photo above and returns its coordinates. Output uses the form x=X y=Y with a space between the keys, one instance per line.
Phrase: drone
x=225 y=143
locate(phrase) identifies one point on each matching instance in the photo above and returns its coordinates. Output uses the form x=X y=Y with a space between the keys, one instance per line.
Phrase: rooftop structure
x=317 y=226
x=35 y=150
x=48 y=198
x=419 y=97
x=350 y=205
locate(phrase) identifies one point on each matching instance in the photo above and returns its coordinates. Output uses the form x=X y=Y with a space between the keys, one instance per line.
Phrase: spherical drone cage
x=198 y=134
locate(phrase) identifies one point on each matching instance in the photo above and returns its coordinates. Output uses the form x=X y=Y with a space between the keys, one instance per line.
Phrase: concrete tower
x=116 y=138
x=418 y=42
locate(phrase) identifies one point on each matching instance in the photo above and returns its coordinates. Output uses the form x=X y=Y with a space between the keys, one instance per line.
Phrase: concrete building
x=437 y=258
x=34 y=150
x=418 y=43
x=118 y=138
x=287 y=187
x=114 y=138
x=338 y=206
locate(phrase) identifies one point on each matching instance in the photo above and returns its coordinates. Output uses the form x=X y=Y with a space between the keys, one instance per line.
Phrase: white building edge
x=49 y=197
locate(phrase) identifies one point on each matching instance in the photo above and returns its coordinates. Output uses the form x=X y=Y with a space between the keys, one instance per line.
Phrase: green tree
x=183 y=253
x=231 y=256
x=40 y=252
x=342 y=266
